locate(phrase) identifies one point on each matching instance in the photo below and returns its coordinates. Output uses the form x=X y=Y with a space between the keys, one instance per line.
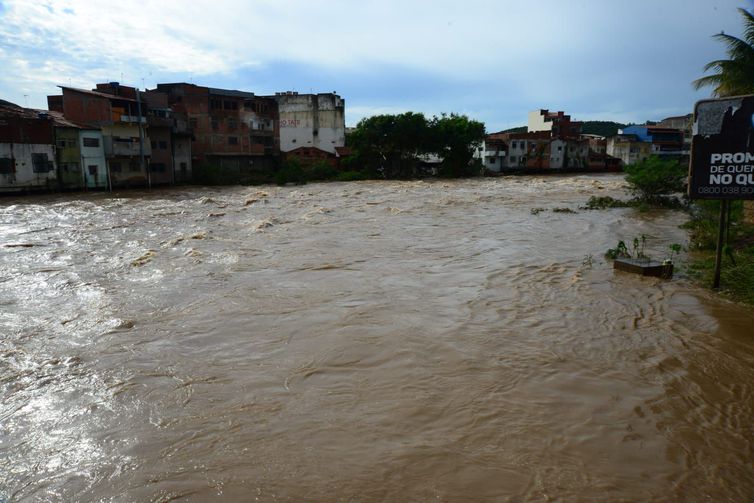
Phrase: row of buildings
x=554 y=141
x=118 y=136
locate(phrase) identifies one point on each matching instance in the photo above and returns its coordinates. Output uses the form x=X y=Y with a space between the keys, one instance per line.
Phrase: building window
x=513 y=144
x=193 y=122
x=230 y=105
x=115 y=167
x=513 y=158
x=215 y=104
x=93 y=170
x=157 y=167
x=6 y=166
x=163 y=144
x=215 y=124
x=560 y=148
x=91 y=142
x=154 y=144
x=62 y=143
x=232 y=124
x=184 y=168
x=40 y=163
x=232 y=140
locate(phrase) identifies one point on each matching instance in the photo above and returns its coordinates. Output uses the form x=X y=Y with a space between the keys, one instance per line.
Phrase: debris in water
x=191 y=252
x=218 y=214
x=20 y=245
x=144 y=259
x=199 y=235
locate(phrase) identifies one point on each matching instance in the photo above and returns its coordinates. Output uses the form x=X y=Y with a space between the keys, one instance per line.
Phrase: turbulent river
x=369 y=341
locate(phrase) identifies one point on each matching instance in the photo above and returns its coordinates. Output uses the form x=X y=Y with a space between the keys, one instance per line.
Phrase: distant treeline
x=601 y=128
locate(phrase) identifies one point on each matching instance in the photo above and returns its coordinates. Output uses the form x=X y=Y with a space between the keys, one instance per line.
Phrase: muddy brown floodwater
x=375 y=341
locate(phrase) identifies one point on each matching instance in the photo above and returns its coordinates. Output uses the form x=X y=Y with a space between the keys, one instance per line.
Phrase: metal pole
x=141 y=140
x=720 y=239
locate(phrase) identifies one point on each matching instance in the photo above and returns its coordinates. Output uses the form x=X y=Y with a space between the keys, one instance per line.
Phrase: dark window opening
x=40 y=163
x=91 y=142
x=115 y=167
x=7 y=166
x=93 y=170
x=193 y=122
x=163 y=144
x=232 y=140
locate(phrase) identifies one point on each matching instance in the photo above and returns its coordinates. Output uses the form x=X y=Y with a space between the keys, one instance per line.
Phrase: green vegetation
x=519 y=129
x=737 y=271
x=602 y=128
x=395 y=146
x=603 y=202
x=654 y=181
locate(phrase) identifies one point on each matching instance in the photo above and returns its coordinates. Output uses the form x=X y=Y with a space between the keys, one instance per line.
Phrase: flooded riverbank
x=367 y=341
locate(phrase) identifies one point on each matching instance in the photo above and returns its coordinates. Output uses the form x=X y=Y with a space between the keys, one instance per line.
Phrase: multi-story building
x=27 y=151
x=558 y=123
x=117 y=110
x=67 y=152
x=628 y=148
x=665 y=142
x=311 y=120
x=231 y=129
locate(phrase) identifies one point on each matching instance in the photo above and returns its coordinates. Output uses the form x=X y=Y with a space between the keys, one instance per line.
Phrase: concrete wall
x=93 y=163
x=311 y=120
x=182 y=158
x=161 y=160
x=68 y=154
x=24 y=175
x=537 y=122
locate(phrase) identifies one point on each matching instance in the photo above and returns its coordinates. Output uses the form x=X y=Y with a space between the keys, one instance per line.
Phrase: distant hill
x=602 y=128
x=520 y=129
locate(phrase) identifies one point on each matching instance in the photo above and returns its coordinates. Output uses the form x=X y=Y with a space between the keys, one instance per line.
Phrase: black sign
x=722 y=149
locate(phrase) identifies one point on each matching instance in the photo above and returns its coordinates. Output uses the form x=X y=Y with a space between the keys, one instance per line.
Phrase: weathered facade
x=27 y=150
x=558 y=123
x=311 y=120
x=93 y=161
x=123 y=122
x=628 y=148
x=228 y=127
x=68 y=154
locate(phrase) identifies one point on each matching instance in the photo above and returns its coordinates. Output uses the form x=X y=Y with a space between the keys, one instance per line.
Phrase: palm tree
x=734 y=76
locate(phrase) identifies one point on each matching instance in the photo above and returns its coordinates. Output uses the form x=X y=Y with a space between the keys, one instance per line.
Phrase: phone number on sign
x=725 y=190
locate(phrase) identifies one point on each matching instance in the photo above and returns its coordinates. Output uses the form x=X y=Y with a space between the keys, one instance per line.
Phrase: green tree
x=653 y=179
x=454 y=138
x=735 y=75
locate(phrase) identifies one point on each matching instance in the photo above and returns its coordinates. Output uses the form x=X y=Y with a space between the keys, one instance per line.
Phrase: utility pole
x=141 y=140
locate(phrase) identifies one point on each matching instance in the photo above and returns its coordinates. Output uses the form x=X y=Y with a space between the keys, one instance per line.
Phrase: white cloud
x=545 y=52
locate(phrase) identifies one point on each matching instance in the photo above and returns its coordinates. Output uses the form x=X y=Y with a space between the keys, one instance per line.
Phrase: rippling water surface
x=375 y=341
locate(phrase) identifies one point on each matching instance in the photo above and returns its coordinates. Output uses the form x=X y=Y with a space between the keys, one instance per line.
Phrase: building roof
x=97 y=93
x=231 y=93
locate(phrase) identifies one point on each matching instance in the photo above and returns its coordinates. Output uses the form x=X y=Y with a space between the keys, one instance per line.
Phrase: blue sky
x=491 y=60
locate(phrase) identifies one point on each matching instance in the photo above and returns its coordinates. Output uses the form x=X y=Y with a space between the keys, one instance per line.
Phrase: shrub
x=653 y=179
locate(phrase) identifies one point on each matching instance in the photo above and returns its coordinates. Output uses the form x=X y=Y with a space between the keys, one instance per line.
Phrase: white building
x=27 y=150
x=311 y=120
x=93 y=159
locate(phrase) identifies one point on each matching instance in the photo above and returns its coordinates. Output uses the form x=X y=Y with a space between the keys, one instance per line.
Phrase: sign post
x=722 y=158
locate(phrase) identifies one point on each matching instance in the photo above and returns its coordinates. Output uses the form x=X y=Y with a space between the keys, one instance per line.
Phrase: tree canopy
x=393 y=146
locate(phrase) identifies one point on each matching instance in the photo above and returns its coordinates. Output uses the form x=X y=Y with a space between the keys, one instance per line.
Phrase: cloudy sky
x=491 y=60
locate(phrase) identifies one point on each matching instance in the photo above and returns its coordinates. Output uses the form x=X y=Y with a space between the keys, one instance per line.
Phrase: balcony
x=155 y=121
x=124 y=147
x=133 y=119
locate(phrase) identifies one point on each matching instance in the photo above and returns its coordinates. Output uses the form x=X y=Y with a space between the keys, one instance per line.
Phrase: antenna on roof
x=26 y=100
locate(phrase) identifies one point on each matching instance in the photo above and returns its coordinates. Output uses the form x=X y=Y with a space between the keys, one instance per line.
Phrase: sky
x=493 y=61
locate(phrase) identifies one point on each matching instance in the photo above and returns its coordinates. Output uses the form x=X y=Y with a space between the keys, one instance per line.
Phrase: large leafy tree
x=735 y=75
